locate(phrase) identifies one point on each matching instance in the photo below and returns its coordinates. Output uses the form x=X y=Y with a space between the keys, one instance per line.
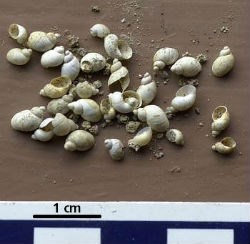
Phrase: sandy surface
x=31 y=170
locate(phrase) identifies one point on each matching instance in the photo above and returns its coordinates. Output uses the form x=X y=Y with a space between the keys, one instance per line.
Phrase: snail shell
x=117 y=48
x=57 y=87
x=115 y=148
x=92 y=62
x=119 y=79
x=147 y=90
x=19 y=56
x=41 y=41
x=142 y=138
x=28 y=120
x=71 y=66
x=53 y=58
x=224 y=63
x=99 y=30
x=175 y=136
x=221 y=120
x=125 y=102
x=226 y=146
x=60 y=105
x=164 y=56
x=45 y=131
x=186 y=66
x=154 y=116
x=107 y=110
x=86 y=90
x=87 y=108
x=18 y=33
x=79 y=140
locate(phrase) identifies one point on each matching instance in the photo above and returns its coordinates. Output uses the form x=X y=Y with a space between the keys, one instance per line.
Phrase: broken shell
x=99 y=30
x=19 y=56
x=186 y=66
x=57 y=87
x=45 y=131
x=79 y=140
x=87 y=108
x=117 y=48
x=142 y=138
x=28 y=120
x=92 y=62
x=41 y=41
x=18 y=33
x=164 y=56
x=107 y=110
x=125 y=102
x=71 y=66
x=147 y=90
x=119 y=78
x=60 y=105
x=221 y=120
x=224 y=63
x=175 y=136
x=86 y=90
x=226 y=146
x=53 y=58
x=115 y=148
x=154 y=116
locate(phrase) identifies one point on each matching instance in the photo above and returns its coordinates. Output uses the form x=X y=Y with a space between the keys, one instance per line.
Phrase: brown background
x=32 y=170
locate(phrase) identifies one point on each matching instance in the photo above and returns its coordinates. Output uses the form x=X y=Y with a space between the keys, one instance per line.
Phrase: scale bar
x=67 y=216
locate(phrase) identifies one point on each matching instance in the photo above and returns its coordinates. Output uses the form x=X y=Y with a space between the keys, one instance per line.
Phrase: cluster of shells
x=78 y=98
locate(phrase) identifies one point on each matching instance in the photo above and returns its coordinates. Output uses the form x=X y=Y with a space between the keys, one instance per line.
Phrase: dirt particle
x=95 y=9
x=175 y=169
x=132 y=126
x=86 y=125
x=201 y=124
x=158 y=154
x=224 y=29
x=159 y=136
x=197 y=110
x=94 y=130
x=122 y=118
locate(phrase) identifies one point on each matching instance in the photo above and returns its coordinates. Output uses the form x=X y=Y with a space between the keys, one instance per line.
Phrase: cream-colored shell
x=86 y=90
x=57 y=87
x=92 y=62
x=18 y=33
x=221 y=120
x=45 y=131
x=186 y=66
x=115 y=148
x=147 y=90
x=154 y=116
x=60 y=105
x=226 y=146
x=53 y=58
x=71 y=66
x=99 y=30
x=19 y=56
x=224 y=63
x=141 y=139
x=117 y=48
x=87 y=108
x=28 y=120
x=175 y=136
x=41 y=41
x=107 y=110
x=164 y=56
x=79 y=140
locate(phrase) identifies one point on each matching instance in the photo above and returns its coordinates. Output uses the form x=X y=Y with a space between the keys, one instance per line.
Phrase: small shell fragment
x=175 y=136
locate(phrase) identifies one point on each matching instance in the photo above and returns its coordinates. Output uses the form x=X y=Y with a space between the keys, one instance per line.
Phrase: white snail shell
x=186 y=66
x=142 y=138
x=86 y=90
x=57 y=87
x=92 y=62
x=71 y=66
x=45 y=131
x=53 y=58
x=99 y=30
x=107 y=110
x=60 y=105
x=87 y=108
x=221 y=120
x=224 y=63
x=226 y=146
x=19 y=56
x=28 y=120
x=154 y=116
x=18 y=33
x=164 y=56
x=117 y=48
x=147 y=90
x=41 y=41
x=175 y=136
x=115 y=148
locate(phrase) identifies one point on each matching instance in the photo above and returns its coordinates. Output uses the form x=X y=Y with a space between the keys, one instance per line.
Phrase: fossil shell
x=186 y=66
x=164 y=56
x=19 y=56
x=107 y=110
x=86 y=90
x=115 y=148
x=221 y=120
x=92 y=62
x=99 y=30
x=57 y=87
x=45 y=131
x=175 y=136
x=226 y=146
x=53 y=58
x=28 y=120
x=60 y=105
x=117 y=48
x=224 y=63
x=18 y=33
x=79 y=140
